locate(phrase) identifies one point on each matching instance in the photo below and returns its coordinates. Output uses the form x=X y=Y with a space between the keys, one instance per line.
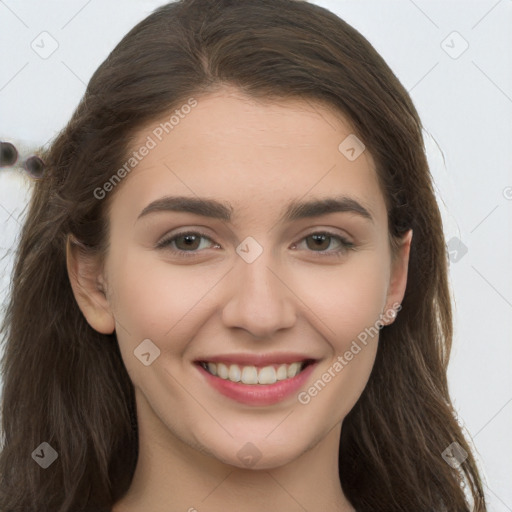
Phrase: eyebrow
x=295 y=210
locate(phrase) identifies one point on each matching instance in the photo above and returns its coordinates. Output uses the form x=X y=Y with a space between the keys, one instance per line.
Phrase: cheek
x=346 y=298
x=349 y=300
x=158 y=300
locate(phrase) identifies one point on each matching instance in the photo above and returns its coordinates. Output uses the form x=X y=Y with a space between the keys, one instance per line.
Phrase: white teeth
x=293 y=369
x=251 y=374
x=222 y=371
x=234 y=373
x=282 y=372
x=267 y=375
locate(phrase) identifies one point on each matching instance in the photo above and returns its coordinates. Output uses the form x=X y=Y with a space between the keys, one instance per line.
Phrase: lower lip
x=258 y=394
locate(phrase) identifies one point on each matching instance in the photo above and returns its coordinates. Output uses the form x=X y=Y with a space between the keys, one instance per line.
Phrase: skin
x=257 y=156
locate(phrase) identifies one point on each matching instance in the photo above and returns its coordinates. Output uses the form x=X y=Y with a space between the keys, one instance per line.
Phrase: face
x=247 y=287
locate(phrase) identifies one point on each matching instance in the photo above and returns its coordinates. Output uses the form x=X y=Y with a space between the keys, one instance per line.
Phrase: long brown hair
x=66 y=384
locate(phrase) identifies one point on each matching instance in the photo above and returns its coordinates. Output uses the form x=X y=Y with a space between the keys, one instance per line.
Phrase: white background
x=466 y=107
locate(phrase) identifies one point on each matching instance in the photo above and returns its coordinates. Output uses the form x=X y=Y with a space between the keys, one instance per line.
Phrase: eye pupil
x=189 y=240
x=319 y=239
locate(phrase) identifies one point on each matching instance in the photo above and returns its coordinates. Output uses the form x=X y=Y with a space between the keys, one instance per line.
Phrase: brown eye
x=190 y=242
x=321 y=241
x=184 y=244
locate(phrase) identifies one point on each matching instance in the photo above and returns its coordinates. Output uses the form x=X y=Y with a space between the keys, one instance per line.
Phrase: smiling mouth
x=253 y=375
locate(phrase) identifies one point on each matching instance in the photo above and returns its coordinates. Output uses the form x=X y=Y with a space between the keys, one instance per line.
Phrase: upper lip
x=257 y=359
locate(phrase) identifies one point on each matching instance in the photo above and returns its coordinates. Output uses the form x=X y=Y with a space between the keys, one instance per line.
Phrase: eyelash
x=345 y=244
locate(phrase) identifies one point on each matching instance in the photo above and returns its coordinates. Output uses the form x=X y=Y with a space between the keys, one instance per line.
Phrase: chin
x=274 y=448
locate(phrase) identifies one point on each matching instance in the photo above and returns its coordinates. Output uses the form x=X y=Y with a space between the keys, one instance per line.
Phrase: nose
x=261 y=302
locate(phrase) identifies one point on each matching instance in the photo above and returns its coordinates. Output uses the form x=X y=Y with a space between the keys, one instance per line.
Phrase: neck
x=171 y=476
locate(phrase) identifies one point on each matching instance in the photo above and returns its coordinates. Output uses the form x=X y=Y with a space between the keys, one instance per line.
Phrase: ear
x=88 y=287
x=398 y=277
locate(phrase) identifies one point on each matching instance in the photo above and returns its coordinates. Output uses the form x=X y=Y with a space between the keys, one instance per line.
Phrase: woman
x=295 y=358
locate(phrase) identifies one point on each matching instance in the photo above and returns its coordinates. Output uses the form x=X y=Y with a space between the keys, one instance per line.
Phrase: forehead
x=253 y=154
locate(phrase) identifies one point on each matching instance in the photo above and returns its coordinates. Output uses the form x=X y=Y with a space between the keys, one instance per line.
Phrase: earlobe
x=398 y=278
x=88 y=287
